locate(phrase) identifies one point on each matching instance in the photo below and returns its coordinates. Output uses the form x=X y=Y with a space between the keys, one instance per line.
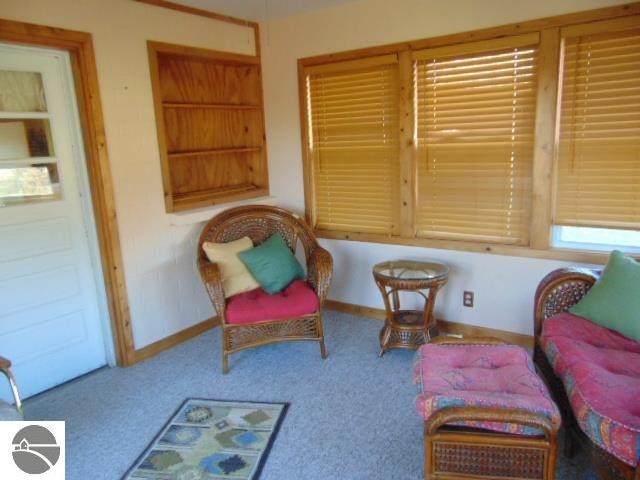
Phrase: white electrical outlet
x=467 y=298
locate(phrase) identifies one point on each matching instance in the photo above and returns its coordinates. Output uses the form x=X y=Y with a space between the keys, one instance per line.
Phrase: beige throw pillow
x=236 y=278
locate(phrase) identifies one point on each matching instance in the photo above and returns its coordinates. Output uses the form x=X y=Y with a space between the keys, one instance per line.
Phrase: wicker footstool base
x=501 y=439
x=464 y=453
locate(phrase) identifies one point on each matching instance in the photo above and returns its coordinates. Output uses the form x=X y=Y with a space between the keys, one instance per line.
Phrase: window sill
x=580 y=256
x=205 y=214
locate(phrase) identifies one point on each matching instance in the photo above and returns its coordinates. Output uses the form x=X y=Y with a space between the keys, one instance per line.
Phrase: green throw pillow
x=614 y=300
x=272 y=264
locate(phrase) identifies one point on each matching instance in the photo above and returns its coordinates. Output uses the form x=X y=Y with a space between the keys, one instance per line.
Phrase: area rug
x=211 y=440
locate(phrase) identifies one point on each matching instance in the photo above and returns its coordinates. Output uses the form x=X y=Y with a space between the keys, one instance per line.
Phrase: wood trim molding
x=581 y=256
x=482 y=34
x=456 y=328
x=176 y=339
x=198 y=11
x=80 y=47
x=354 y=309
x=545 y=134
x=445 y=326
x=407 y=186
x=195 y=52
x=206 y=13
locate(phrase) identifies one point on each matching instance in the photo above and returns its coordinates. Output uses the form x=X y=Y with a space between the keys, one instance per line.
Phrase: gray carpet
x=351 y=415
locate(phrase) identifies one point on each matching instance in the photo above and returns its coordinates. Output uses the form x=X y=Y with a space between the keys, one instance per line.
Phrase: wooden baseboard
x=350 y=308
x=353 y=309
x=175 y=339
x=446 y=326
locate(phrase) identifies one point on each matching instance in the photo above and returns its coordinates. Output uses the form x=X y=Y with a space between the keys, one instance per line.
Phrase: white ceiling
x=261 y=10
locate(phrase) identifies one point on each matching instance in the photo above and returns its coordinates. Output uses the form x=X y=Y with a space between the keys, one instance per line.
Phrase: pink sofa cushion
x=496 y=376
x=600 y=370
x=258 y=306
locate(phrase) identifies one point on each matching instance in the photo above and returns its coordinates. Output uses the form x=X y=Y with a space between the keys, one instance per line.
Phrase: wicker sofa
x=580 y=358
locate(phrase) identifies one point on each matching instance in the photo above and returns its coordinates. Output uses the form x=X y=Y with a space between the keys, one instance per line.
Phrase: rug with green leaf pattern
x=211 y=440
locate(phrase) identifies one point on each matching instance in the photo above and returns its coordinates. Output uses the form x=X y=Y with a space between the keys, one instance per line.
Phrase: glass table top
x=411 y=270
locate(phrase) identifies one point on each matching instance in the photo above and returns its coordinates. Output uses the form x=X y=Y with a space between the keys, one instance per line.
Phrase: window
x=28 y=166
x=353 y=143
x=598 y=164
x=475 y=126
x=524 y=139
x=210 y=125
x=604 y=239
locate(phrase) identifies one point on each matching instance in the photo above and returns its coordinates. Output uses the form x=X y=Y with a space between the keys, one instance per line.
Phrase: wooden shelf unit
x=210 y=119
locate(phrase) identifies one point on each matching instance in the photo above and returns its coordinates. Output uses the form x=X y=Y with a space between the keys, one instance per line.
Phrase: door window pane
x=21 y=92
x=28 y=183
x=25 y=138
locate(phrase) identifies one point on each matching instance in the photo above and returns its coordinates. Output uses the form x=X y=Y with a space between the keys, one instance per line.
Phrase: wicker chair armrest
x=447 y=340
x=559 y=291
x=320 y=270
x=488 y=414
x=210 y=273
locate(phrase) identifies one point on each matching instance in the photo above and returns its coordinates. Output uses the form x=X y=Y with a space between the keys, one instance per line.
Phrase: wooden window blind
x=352 y=113
x=598 y=154
x=475 y=119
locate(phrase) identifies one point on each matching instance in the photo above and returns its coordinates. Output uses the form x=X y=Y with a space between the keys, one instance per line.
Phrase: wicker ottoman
x=486 y=412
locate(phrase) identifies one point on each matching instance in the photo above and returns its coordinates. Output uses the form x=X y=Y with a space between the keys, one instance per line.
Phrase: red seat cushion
x=600 y=370
x=258 y=306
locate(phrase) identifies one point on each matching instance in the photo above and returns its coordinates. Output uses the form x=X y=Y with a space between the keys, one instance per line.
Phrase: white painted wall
x=165 y=292
x=164 y=289
x=503 y=286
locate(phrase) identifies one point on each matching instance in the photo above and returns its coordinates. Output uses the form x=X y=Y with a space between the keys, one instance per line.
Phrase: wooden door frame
x=83 y=64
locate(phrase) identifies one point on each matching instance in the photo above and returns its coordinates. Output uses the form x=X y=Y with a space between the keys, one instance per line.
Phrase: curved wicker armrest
x=212 y=279
x=559 y=291
x=487 y=414
x=320 y=269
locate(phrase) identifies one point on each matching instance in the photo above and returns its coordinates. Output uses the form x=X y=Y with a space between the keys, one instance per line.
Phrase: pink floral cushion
x=600 y=370
x=258 y=306
x=498 y=376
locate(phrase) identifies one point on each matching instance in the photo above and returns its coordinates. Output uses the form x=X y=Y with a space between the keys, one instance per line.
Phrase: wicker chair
x=260 y=222
x=556 y=293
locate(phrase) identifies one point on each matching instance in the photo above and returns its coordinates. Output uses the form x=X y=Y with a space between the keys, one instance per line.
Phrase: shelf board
x=217 y=196
x=214 y=151
x=222 y=106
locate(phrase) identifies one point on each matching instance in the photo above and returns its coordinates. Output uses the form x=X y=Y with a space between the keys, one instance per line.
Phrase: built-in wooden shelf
x=214 y=151
x=209 y=113
x=220 y=106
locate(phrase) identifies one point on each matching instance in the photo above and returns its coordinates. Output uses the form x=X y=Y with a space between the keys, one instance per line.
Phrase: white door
x=51 y=295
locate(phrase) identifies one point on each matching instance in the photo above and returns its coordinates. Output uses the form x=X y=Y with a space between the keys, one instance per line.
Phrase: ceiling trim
x=214 y=16
x=201 y=12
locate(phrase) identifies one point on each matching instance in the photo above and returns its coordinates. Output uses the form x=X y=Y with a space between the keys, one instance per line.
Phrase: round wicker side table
x=408 y=328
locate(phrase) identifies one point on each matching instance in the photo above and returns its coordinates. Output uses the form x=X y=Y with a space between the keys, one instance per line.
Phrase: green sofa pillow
x=614 y=300
x=272 y=264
